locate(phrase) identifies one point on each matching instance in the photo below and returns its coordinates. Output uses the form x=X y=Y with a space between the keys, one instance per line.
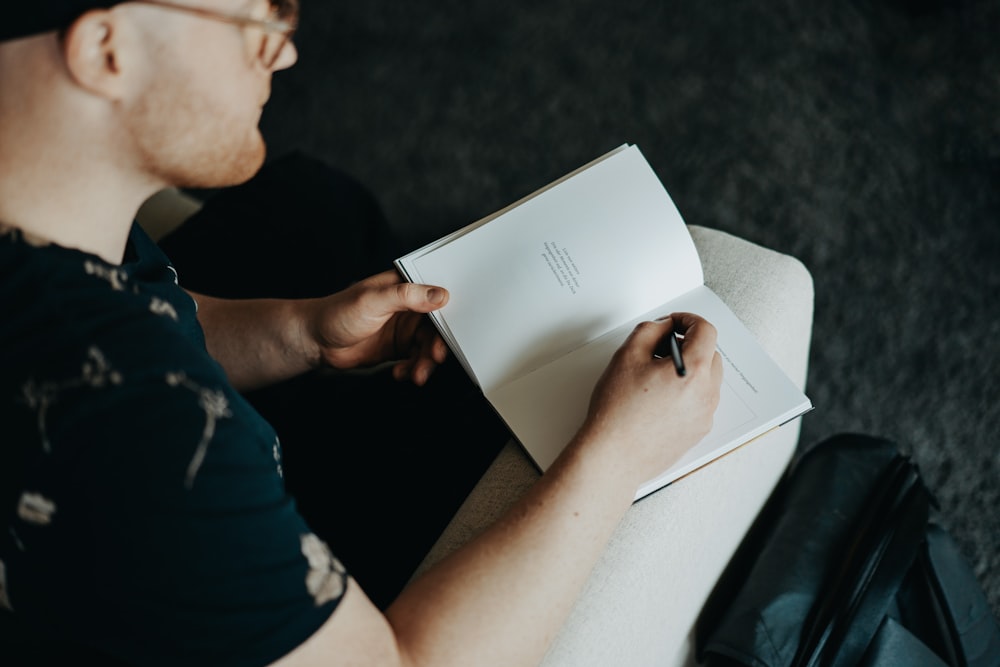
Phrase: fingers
x=700 y=337
x=428 y=348
x=645 y=339
x=699 y=348
x=642 y=400
x=419 y=366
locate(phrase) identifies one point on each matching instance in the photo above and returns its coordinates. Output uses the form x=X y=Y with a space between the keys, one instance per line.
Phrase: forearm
x=257 y=341
x=501 y=599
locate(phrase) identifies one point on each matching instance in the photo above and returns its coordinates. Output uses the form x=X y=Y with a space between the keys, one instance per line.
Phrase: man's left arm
x=257 y=341
x=263 y=341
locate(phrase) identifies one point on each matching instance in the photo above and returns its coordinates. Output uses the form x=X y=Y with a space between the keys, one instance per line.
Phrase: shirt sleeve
x=159 y=528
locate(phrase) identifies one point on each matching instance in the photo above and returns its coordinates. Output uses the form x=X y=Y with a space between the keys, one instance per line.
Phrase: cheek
x=196 y=134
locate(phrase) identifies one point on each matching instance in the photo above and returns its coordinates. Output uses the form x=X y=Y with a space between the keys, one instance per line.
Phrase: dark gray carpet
x=862 y=137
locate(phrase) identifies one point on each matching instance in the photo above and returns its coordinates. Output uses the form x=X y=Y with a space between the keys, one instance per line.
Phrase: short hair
x=31 y=17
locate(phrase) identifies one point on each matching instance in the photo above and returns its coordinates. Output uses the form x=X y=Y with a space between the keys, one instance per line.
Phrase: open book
x=545 y=290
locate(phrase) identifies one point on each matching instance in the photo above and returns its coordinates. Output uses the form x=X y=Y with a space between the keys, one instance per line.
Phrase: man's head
x=173 y=88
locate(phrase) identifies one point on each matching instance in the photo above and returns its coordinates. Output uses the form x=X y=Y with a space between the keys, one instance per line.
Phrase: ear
x=93 y=51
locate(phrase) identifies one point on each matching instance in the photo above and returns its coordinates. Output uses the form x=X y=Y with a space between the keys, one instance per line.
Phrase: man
x=144 y=512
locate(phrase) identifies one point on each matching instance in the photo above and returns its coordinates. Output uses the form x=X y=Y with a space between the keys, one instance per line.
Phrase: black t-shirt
x=142 y=509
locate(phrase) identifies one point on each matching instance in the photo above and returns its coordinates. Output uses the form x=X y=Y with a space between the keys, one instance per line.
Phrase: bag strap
x=848 y=614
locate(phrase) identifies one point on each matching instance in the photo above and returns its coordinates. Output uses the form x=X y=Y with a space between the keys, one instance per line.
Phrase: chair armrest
x=165 y=211
x=644 y=596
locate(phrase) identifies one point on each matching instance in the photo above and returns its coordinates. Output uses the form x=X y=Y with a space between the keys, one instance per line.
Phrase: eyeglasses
x=277 y=29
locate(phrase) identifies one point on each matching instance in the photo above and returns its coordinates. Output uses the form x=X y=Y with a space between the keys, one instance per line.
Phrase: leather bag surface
x=846 y=565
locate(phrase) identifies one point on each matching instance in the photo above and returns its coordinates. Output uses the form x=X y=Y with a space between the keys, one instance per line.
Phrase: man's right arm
x=501 y=599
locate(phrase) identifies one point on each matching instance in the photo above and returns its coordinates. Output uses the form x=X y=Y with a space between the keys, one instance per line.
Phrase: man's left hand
x=380 y=319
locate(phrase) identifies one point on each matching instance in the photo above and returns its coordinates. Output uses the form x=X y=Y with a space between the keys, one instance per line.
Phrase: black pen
x=675 y=352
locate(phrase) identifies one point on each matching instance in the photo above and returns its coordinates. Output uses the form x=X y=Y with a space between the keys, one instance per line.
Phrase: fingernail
x=435 y=295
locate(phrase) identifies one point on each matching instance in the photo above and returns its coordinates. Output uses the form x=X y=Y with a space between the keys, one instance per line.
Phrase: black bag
x=846 y=566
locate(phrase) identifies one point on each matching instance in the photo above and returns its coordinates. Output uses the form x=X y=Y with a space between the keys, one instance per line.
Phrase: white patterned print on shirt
x=216 y=407
x=276 y=450
x=36 y=508
x=95 y=372
x=326 y=577
x=165 y=308
x=117 y=278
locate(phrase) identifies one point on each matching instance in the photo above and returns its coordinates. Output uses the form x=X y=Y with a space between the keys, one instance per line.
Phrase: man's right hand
x=644 y=409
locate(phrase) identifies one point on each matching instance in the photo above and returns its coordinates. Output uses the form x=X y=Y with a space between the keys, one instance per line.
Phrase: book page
x=546 y=407
x=562 y=268
x=448 y=238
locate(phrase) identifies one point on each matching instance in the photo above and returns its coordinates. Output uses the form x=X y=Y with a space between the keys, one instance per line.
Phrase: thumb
x=397 y=295
x=421 y=298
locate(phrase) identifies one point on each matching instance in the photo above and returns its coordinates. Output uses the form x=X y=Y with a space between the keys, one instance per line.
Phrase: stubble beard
x=194 y=141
